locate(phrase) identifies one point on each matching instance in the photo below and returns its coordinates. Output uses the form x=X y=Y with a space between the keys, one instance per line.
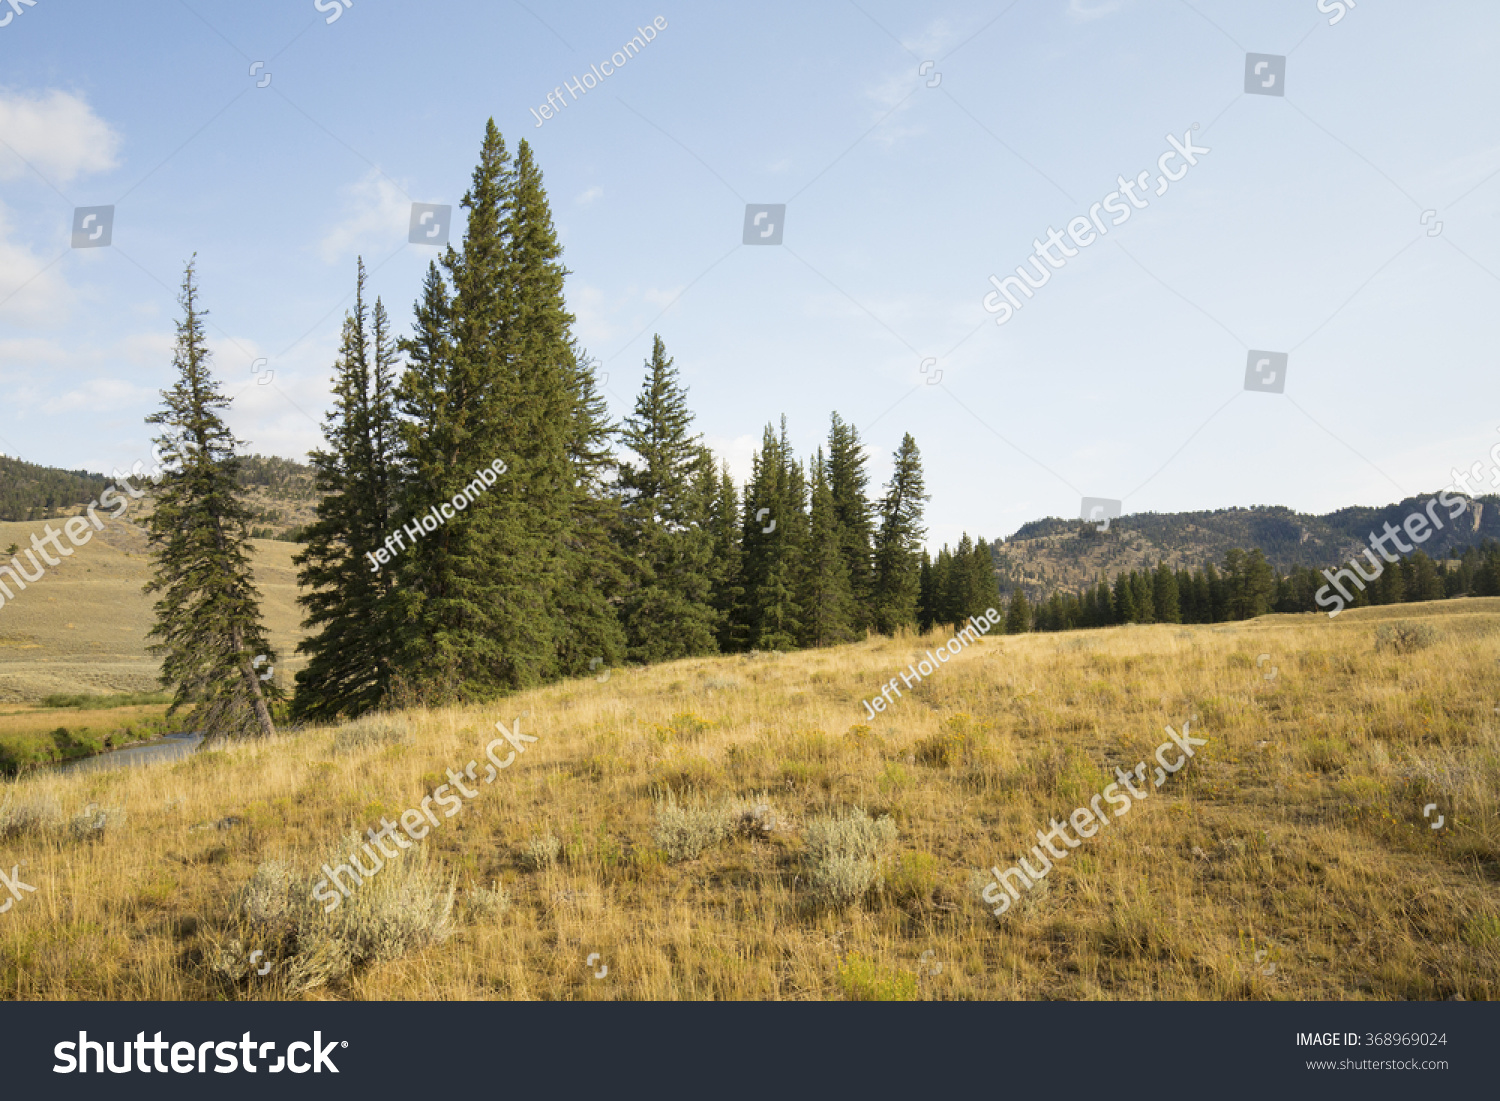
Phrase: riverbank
x=32 y=736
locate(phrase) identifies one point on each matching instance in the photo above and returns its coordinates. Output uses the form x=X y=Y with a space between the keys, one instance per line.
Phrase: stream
x=172 y=747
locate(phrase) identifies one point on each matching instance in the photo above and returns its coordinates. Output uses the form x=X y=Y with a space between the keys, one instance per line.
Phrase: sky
x=1350 y=223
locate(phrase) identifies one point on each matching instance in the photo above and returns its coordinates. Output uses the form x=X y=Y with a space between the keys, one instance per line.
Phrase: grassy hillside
x=1289 y=858
x=82 y=627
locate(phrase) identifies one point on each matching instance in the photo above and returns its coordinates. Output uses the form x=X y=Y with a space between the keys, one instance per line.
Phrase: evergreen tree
x=729 y=588
x=595 y=565
x=349 y=604
x=771 y=538
x=848 y=482
x=826 y=598
x=899 y=543
x=669 y=614
x=1164 y=595
x=984 y=589
x=1142 y=598
x=485 y=585
x=1124 y=600
x=961 y=593
x=927 y=595
x=1018 y=614
x=208 y=629
x=1426 y=583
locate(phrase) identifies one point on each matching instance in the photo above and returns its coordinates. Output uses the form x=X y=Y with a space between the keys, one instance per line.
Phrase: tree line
x=1245 y=586
x=599 y=543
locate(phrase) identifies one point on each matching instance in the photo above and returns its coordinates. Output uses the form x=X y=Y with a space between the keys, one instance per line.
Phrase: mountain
x=1050 y=555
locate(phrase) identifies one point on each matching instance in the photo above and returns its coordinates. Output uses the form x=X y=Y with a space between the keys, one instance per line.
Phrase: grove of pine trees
x=601 y=542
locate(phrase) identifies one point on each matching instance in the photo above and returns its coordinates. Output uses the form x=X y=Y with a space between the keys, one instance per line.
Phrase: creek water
x=172 y=747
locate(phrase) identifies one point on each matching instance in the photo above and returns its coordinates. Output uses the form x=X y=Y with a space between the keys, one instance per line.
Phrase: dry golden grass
x=82 y=627
x=1294 y=838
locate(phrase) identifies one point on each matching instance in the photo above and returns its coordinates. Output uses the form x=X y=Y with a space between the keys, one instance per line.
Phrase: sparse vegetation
x=1300 y=820
x=1404 y=636
x=379 y=728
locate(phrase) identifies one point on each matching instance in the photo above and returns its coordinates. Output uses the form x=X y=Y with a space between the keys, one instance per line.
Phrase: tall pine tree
x=208 y=628
x=899 y=544
x=349 y=604
x=826 y=599
x=669 y=613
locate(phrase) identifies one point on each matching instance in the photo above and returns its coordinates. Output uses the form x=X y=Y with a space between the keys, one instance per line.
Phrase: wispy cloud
x=56 y=133
x=376 y=214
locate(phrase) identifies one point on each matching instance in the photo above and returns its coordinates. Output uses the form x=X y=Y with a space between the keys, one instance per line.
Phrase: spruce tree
x=208 y=627
x=848 y=482
x=772 y=541
x=729 y=587
x=899 y=543
x=346 y=590
x=595 y=566
x=493 y=384
x=927 y=595
x=825 y=597
x=667 y=505
x=1164 y=595
x=959 y=597
x=1018 y=614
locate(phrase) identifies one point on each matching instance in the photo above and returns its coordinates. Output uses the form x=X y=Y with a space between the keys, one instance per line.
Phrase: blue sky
x=907 y=185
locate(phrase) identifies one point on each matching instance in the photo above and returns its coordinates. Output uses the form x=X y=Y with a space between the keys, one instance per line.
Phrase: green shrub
x=913 y=877
x=862 y=980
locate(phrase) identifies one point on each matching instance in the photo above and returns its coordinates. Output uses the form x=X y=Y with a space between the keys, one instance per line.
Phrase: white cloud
x=376 y=212
x=57 y=133
x=32 y=290
x=590 y=195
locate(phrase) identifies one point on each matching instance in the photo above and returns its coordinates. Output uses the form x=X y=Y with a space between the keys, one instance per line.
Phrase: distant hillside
x=280 y=493
x=31 y=492
x=1052 y=554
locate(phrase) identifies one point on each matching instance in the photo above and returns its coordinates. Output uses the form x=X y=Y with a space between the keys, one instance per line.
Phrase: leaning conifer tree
x=208 y=628
x=347 y=591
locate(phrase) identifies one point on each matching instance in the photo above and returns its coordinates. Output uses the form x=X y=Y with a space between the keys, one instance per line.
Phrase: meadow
x=732 y=828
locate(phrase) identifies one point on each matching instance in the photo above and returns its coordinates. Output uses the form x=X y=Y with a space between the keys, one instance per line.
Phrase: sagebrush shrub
x=842 y=850
x=35 y=816
x=404 y=907
x=369 y=731
x=1404 y=636
x=541 y=851
x=683 y=832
